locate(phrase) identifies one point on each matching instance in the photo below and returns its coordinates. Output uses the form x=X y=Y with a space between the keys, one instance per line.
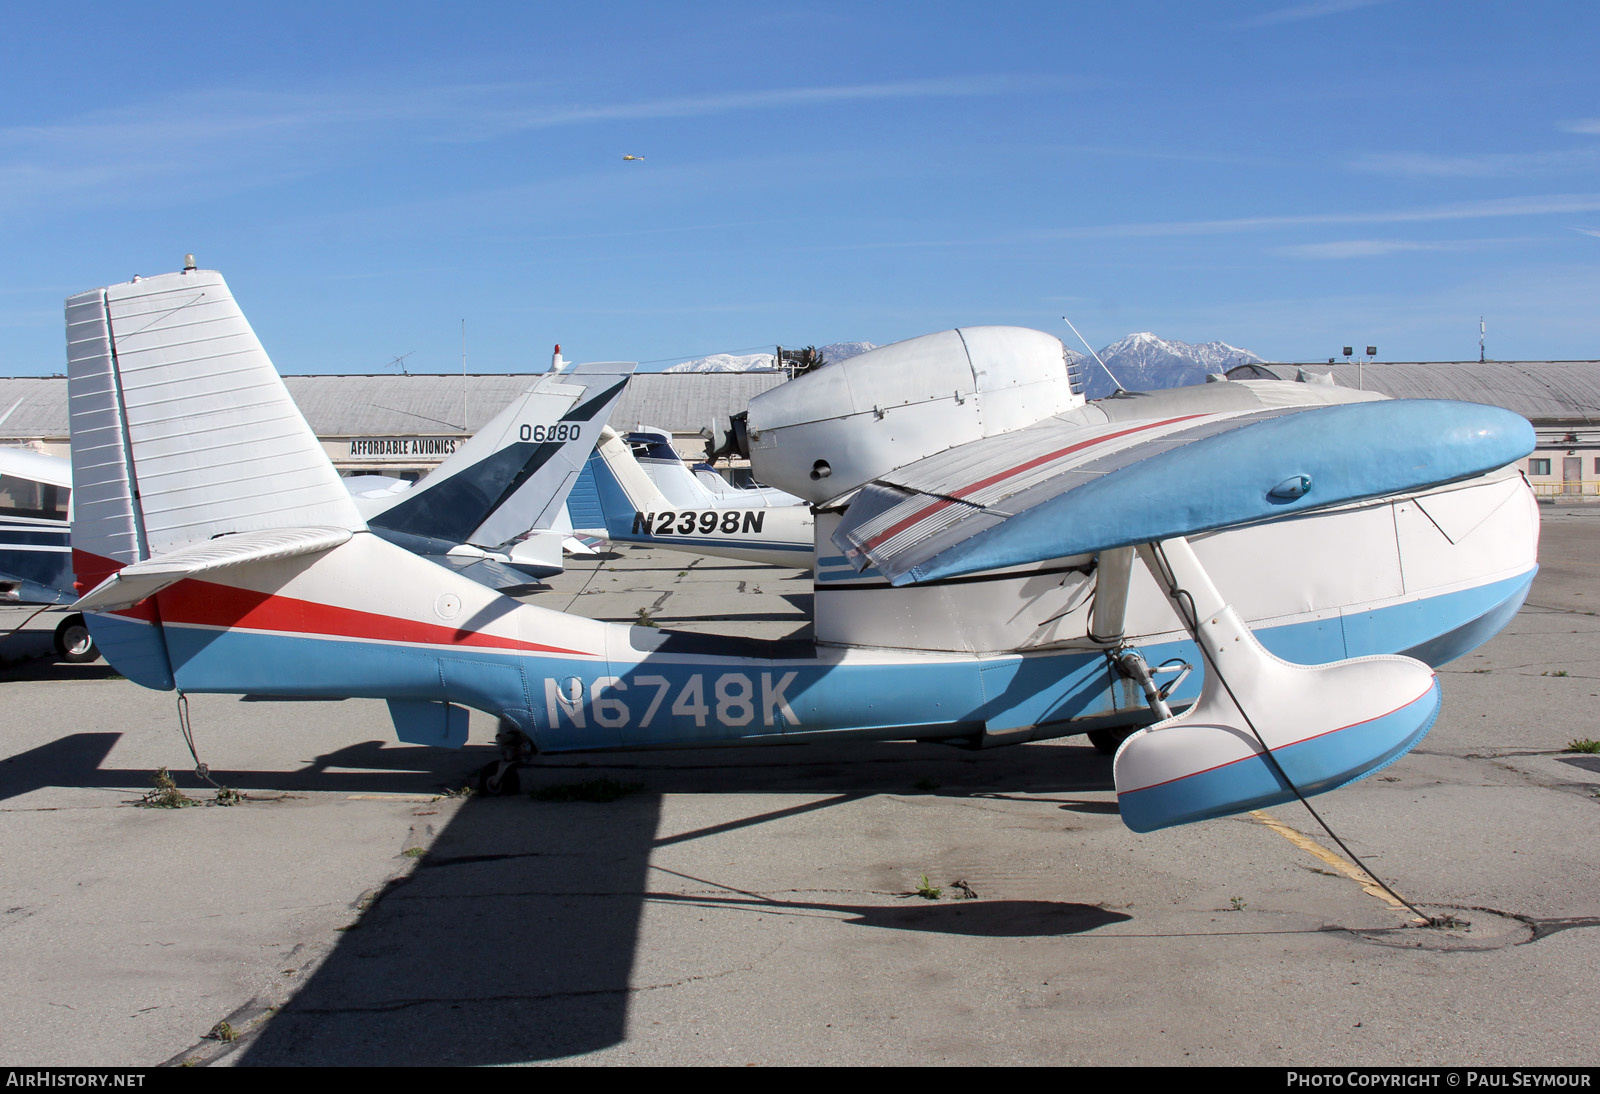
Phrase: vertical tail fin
x=515 y=473
x=623 y=489
x=181 y=432
x=181 y=429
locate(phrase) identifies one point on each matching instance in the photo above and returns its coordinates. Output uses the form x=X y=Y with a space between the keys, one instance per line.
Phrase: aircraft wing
x=1056 y=488
x=139 y=580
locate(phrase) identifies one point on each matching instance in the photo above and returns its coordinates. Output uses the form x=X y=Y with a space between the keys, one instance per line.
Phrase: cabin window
x=1538 y=467
x=21 y=497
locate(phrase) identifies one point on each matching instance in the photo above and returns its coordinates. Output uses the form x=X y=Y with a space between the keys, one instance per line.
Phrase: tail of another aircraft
x=622 y=489
x=515 y=473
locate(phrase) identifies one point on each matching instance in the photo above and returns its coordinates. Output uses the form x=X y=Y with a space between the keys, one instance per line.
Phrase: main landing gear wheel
x=1107 y=741
x=500 y=778
x=74 y=644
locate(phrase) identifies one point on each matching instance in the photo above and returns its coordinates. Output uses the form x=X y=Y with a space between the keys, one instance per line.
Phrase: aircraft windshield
x=21 y=497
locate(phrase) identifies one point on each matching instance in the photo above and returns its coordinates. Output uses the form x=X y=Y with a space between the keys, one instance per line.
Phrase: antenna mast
x=1480 y=340
x=1120 y=389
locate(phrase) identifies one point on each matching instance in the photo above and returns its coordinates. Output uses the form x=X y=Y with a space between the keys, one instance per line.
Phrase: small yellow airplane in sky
x=633 y=157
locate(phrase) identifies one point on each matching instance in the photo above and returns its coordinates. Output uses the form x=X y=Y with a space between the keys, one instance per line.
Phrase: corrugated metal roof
x=384 y=406
x=33 y=407
x=1541 y=391
x=684 y=402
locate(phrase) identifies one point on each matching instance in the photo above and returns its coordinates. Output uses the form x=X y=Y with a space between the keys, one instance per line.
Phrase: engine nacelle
x=830 y=431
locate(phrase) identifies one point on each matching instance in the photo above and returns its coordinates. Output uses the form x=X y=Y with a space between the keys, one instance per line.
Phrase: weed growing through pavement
x=1238 y=904
x=928 y=891
x=1583 y=744
x=166 y=794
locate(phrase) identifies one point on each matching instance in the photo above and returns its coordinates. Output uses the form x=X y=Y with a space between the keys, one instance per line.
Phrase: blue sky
x=1290 y=177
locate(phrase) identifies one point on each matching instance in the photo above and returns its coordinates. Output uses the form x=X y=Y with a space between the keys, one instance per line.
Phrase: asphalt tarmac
x=761 y=906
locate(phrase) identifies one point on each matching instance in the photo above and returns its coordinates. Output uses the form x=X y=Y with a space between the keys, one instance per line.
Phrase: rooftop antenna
x=466 y=422
x=1120 y=389
x=401 y=361
x=1480 y=340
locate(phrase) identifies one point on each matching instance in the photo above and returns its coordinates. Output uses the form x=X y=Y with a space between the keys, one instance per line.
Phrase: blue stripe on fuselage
x=706 y=700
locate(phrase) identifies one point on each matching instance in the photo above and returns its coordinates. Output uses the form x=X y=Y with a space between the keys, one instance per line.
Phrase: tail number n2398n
x=670 y=522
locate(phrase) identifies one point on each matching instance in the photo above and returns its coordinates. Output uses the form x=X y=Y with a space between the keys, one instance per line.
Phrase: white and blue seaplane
x=1252 y=580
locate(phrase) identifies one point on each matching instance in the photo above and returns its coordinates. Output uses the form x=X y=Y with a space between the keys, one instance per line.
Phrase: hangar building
x=404 y=425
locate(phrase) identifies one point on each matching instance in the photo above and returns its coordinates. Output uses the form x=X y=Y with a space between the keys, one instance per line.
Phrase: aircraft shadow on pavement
x=514 y=937
x=46 y=667
x=77 y=760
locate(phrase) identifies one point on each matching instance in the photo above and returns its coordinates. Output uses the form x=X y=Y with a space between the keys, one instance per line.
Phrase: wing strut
x=1263 y=728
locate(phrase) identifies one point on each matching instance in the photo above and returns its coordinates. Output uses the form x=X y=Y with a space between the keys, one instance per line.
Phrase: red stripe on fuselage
x=966 y=491
x=209 y=604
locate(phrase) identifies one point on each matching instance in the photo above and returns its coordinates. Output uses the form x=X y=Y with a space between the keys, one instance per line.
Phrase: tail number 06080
x=561 y=431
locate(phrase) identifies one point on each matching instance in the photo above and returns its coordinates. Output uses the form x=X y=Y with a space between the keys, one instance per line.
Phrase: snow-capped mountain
x=839 y=351
x=728 y=362
x=725 y=362
x=1144 y=362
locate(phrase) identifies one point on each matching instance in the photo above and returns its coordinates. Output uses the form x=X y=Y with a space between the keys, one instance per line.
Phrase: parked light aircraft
x=1006 y=563
x=35 y=556
x=647 y=496
x=700 y=487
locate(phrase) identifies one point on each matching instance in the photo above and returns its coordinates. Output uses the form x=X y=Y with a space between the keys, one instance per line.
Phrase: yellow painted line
x=1336 y=861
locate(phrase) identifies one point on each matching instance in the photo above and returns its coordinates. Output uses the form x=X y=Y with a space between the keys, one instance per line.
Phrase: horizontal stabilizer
x=135 y=582
x=496 y=575
x=1058 y=488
